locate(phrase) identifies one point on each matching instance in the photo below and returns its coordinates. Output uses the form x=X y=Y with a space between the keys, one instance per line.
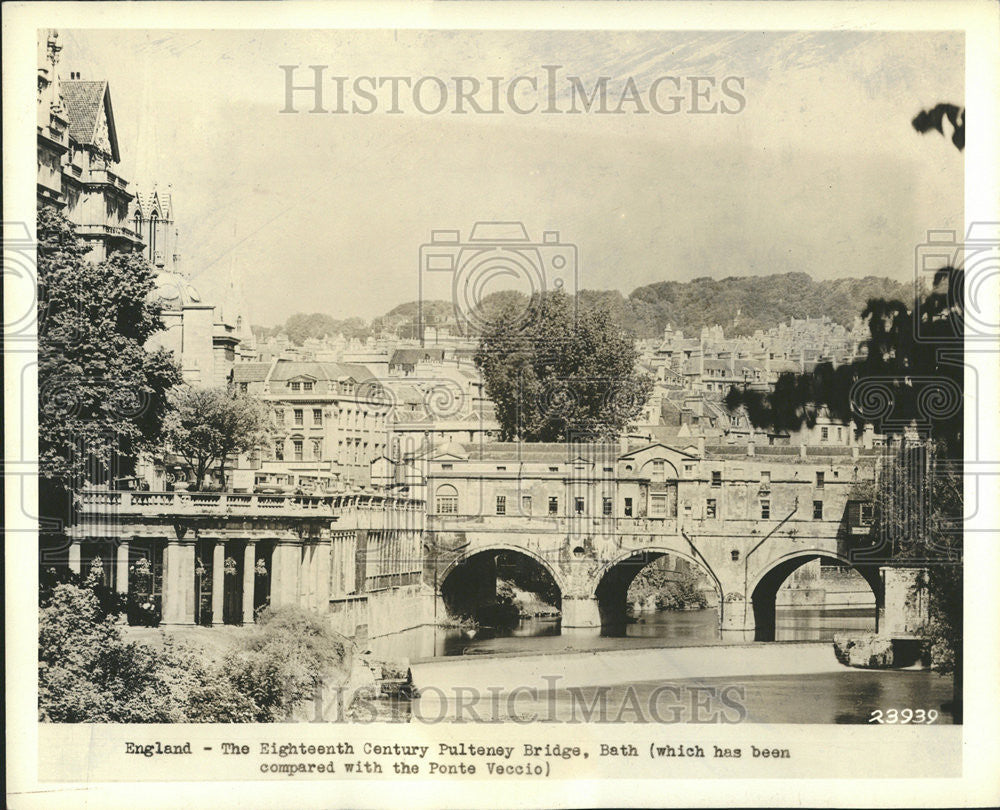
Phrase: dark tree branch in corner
x=927 y=120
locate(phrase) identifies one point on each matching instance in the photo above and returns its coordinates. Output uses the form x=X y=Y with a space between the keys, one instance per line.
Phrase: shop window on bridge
x=765 y=510
x=579 y=506
x=628 y=507
x=716 y=478
x=446 y=498
x=658 y=506
x=606 y=507
x=711 y=509
x=501 y=504
x=553 y=505
x=817 y=510
x=820 y=479
x=525 y=504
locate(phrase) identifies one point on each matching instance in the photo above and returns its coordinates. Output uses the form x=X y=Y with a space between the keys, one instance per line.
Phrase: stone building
x=78 y=156
x=593 y=515
x=332 y=421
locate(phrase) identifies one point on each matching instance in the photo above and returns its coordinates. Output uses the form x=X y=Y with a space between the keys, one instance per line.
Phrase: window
x=628 y=507
x=711 y=509
x=820 y=480
x=578 y=505
x=553 y=505
x=501 y=468
x=606 y=507
x=658 y=505
x=317 y=416
x=867 y=514
x=297 y=416
x=840 y=434
x=765 y=510
x=765 y=479
x=688 y=470
x=244 y=387
x=279 y=416
x=659 y=470
x=526 y=504
x=317 y=449
x=553 y=469
x=296 y=386
x=279 y=451
x=307 y=386
x=447 y=500
x=297 y=449
x=501 y=504
x=447 y=466
x=817 y=510
x=825 y=434
x=716 y=478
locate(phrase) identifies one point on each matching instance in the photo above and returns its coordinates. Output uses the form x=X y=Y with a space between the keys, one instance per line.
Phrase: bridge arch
x=764 y=591
x=468 y=584
x=612 y=580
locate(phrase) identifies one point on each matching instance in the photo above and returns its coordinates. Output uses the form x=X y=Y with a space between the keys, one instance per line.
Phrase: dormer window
x=296 y=386
x=307 y=385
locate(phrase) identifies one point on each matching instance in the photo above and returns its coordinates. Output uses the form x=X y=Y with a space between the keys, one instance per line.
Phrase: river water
x=843 y=696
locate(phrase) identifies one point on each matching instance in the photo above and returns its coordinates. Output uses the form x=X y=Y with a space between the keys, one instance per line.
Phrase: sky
x=818 y=171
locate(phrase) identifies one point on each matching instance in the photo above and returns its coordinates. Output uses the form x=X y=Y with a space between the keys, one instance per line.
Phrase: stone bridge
x=592 y=516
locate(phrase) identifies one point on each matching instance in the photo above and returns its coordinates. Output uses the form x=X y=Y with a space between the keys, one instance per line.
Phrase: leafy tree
x=283 y=661
x=102 y=394
x=87 y=672
x=554 y=376
x=209 y=425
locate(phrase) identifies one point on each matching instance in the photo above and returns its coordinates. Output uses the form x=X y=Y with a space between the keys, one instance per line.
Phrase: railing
x=200 y=503
x=129 y=502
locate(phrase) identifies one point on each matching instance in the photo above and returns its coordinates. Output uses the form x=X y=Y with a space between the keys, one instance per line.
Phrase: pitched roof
x=250 y=372
x=84 y=101
x=411 y=357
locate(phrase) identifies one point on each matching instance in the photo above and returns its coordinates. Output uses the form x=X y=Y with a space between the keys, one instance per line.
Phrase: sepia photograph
x=438 y=400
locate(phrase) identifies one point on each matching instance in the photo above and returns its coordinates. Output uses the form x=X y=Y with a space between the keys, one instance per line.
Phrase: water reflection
x=663 y=628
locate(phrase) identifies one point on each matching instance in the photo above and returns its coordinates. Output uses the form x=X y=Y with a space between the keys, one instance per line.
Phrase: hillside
x=741 y=305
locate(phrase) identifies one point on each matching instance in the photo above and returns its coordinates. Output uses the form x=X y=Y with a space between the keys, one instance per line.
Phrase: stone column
x=121 y=567
x=323 y=552
x=580 y=614
x=249 y=577
x=178 y=582
x=75 y=564
x=218 y=581
x=285 y=564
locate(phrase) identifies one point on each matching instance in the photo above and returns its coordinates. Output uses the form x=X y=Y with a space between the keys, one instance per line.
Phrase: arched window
x=446 y=498
x=154 y=219
x=138 y=224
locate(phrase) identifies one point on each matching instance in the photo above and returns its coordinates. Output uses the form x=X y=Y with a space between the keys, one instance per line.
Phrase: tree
x=208 y=425
x=554 y=376
x=102 y=394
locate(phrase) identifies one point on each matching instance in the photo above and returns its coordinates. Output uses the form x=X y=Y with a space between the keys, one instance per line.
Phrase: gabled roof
x=646 y=448
x=84 y=102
